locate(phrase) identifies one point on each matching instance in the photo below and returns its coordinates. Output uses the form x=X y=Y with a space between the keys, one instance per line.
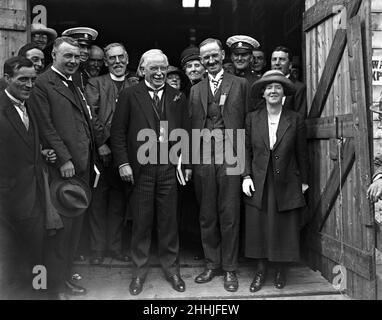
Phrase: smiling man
x=32 y=52
x=242 y=56
x=218 y=102
x=95 y=61
x=148 y=105
x=65 y=125
x=108 y=206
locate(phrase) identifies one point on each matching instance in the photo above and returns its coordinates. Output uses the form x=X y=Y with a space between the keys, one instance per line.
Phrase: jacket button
x=277 y=157
x=278 y=171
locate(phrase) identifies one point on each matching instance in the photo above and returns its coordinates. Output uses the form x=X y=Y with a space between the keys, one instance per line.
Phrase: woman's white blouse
x=272 y=129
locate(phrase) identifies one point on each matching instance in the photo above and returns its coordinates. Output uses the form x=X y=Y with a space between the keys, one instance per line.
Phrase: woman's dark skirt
x=270 y=234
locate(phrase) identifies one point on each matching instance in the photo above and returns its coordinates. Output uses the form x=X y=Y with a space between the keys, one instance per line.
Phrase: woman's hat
x=189 y=54
x=172 y=69
x=70 y=196
x=270 y=77
x=41 y=28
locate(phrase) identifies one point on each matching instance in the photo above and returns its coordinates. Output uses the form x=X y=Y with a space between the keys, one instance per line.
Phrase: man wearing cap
x=217 y=103
x=282 y=60
x=192 y=67
x=85 y=37
x=109 y=205
x=65 y=125
x=32 y=52
x=242 y=56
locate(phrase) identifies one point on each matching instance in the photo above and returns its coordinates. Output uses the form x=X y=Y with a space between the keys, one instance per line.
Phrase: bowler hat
x=41 y=28
x=189 y=54
x=270 y=77
x=70 y=196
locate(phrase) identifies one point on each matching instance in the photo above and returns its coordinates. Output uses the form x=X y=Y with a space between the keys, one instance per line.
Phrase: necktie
x=216 y=82
x=156 y=99
x=25 y=117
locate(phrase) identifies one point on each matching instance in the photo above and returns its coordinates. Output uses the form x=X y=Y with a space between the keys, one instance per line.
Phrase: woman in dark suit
x=274 y=180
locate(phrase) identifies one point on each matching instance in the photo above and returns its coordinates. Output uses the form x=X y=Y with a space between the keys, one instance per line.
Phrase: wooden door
x=340 y=236
x=14 y=27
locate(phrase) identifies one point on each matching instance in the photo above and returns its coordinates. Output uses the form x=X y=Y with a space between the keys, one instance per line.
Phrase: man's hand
x=126 y=173
x=67 y=170
x=374 y=192
x=247 y=186
x=105 y=154
x=304 y=187
x=188 y=173
x=49 y=155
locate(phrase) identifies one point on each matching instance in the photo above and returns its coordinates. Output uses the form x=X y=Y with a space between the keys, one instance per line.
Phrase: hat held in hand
x=70 y=196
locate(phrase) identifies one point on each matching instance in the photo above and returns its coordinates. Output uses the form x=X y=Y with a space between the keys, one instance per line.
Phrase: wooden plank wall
x=13 y=28
x=344 y=220
x=376 y=28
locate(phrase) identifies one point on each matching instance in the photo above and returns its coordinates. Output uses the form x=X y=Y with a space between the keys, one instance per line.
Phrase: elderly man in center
x=156 y=107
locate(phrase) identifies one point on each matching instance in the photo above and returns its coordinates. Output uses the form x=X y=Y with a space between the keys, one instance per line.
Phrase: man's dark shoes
x=136 y=286
x=280 y=278
x=258 y=281
x=207 y=275
x=74 y=289
x=96 y=260
x=231 y=283
x=177 y=283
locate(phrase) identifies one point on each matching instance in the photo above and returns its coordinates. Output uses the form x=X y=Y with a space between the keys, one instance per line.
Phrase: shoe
x=258 y=281
x=120 y=257
x=207 y=275
x=231 y=283
x=136 y=286
x=177 y=283
x=280 y=279
x=96 y=260
x=74 y=290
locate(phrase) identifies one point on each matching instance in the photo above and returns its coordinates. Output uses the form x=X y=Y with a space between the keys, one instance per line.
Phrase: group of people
x=72 y=145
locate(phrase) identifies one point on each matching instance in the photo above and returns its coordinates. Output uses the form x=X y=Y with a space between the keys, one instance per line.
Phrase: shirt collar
x=16 y=101
x=115 y=78
x=150 y=86
x=61 y=74
x=217 y=76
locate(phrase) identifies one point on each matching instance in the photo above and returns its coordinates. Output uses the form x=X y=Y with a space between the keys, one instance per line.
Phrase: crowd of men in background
x=54 y=95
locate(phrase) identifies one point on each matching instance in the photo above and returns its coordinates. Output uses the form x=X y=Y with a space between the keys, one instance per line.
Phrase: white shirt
x=272 y=129
x=151 y=93
x=115 y=78
x=218 y=76
x=17 y=101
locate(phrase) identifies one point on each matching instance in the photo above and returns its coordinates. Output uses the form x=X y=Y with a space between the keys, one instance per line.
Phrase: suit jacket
x=296 y=102
x=134 y=112
x=20 y=164
x=234 y=109
x=64 y=123
x=289 y=158
x=101 y=95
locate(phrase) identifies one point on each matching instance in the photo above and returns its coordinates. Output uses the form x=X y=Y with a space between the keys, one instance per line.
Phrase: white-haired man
x=147 y=106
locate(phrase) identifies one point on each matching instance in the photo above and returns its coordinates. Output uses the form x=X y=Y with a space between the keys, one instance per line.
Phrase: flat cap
x=189 y=54
x=240 y=43
x=82 y=34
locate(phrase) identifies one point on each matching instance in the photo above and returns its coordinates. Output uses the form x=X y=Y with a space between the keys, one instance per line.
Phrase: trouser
x=155 y=194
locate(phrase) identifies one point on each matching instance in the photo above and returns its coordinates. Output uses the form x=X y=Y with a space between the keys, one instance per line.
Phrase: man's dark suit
x=155 y=186
x=217 y=192
x=109 y=204
x=21 y=191
x=65 y=126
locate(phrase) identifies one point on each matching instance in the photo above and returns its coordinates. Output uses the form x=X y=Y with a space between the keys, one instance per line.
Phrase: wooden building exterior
x=341 y=234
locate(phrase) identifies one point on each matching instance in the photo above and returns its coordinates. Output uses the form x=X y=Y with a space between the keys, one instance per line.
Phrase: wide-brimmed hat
x=270 y=77
x=189 y=54
x=70 y=196
x=41 y=28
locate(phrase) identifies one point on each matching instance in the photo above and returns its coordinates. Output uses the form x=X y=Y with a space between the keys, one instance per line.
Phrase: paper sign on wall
x=377 y=70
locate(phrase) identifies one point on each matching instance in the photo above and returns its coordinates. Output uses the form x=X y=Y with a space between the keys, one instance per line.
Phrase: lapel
x=261 y=126
x=36 y=139
x=225 y=87
x=145 y=102
x=14 y=119
x=204 y=87
x=169 y=96
x=284 y=124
